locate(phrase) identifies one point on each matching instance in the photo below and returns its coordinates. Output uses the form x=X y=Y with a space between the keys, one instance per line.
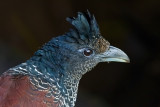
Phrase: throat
x=70 y=89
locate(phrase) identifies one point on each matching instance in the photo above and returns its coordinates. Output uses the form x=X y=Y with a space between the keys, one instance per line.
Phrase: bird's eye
x=88 y=52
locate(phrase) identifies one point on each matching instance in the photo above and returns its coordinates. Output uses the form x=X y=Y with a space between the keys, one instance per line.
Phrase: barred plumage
x=50 y=78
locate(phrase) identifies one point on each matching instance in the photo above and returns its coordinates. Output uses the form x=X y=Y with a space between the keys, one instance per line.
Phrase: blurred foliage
x=131 y=25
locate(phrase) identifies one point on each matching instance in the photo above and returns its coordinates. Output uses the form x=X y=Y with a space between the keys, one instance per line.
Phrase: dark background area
x=133 y=26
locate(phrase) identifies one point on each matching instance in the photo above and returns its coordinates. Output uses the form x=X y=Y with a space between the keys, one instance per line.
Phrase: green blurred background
x=131 y=25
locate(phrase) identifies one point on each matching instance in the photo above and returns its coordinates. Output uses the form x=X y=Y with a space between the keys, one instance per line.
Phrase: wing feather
x=17 y=91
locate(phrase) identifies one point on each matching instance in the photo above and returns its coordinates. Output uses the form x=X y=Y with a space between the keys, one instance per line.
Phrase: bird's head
x=82 y=48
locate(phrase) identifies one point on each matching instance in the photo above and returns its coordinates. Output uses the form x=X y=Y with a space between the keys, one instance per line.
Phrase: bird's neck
x=63 y=85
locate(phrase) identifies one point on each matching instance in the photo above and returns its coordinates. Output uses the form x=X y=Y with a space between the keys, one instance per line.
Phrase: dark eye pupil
x=88 y=52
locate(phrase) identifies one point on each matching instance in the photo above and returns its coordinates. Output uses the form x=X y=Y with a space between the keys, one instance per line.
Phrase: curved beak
x=114 y=54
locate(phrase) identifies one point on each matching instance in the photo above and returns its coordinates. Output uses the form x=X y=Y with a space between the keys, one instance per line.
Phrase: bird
x=50 y=78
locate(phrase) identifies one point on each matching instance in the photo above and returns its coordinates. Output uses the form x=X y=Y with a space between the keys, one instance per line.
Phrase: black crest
x=85 y=24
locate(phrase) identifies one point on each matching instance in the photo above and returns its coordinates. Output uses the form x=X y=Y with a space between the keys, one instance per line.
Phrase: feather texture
x=50 y=78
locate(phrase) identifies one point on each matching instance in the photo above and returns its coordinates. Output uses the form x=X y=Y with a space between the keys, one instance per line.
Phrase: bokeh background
x=131 y=25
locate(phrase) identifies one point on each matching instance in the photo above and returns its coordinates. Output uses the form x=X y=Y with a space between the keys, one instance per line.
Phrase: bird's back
x=18 y=91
